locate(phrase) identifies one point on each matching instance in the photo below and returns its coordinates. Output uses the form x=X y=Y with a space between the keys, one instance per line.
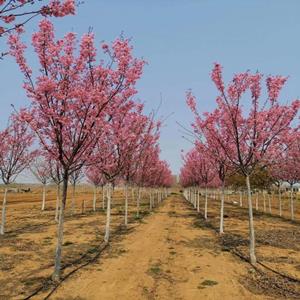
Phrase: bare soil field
x=277 y=273
x=27 y=248
x=171 y=253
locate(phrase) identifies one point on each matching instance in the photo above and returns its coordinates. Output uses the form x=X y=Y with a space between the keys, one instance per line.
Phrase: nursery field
x=27 y=248
x=161 y=163
x=170 y=253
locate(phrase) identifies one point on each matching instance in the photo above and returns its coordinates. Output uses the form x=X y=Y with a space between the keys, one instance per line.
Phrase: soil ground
x=171 y=253
x=164 y=258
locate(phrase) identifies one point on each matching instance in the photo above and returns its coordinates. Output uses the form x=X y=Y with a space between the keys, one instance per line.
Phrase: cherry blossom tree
x=15 y=156
x=112 y=149
x=144 y=133
x=146 y=168
x=96 y=178
x=73 y=98
x=286 y=166
x=217 y=160
x=129 y=146
x=75 y=178
x=205 y=144
x=198 y=171
x=146 y=159
x=247 y=135
x=291 y=167
x=39 y=167
x=160 y=177
x=55 y=176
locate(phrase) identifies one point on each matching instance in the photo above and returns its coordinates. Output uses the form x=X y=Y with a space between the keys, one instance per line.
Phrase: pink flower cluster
x=274 y=85
x=14 y=14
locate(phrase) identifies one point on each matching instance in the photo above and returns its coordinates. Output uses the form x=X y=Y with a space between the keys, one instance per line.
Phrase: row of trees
x=238 y=138
x=84 y=118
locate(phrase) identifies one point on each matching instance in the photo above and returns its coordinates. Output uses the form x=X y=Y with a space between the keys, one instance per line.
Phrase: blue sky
x=180 y=41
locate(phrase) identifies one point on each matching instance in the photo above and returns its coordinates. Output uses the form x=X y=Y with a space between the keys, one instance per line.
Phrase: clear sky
x=181 y=39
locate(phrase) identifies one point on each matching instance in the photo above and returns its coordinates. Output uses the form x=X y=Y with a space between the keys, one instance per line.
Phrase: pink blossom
x=216 y=77
x=274 y=86
x=191 y=101
x=9 y=18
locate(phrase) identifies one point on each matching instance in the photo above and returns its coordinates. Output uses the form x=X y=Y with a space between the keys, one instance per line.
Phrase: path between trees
x=165 y=257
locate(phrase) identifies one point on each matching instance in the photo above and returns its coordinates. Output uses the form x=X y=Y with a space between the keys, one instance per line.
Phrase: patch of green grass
x=197 y=224
x=155 y=270
x=208 y=282
x=93 y=250
x=33 y=280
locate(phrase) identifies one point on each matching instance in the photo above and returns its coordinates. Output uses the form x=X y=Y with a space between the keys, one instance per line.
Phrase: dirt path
x=164 y=258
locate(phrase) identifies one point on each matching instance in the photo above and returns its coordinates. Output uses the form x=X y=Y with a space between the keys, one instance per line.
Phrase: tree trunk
x=272 y=199
x=222 y=209
x=150 y=200
x=95 y=198
x=270 y=204
x=107 y=226
x=251 y=224
x=138 y=203
x=82 y=206
x=292 y=204
x=57 y=202
x=132 y=195
x=44 y=197
x=264 y=197
x=241 y=199
x=2 y=229
x=73 y=199
x=280 y=202
x=103 y=198
x=256 y=201
x=205 y=208
x=198 y=200
x=60 y=229
x=126 y=204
